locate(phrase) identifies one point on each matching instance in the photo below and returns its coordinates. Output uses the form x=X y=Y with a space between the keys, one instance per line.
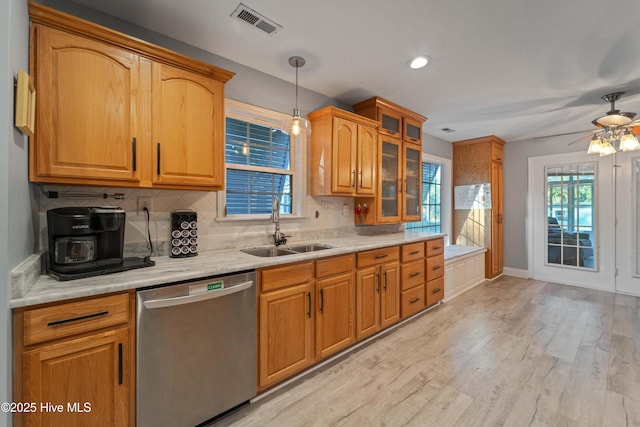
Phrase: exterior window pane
x=431 y=196
x=570 y=215
x=250 y=146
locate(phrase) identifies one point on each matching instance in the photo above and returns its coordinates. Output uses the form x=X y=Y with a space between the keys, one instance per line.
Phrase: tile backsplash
x=213 y=233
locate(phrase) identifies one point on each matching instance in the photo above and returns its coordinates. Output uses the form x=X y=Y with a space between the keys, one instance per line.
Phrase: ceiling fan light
x=613 y=120
x=595 y=146
x=628 y=142
x=607 y=148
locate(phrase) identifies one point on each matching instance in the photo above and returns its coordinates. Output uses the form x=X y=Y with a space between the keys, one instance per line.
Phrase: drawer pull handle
x=414 y=253
x=76 y=319
x=437 y=267
x=416 y=274
x=435 y=291
x=435 y=248
x=415 y=300
x=382 y=256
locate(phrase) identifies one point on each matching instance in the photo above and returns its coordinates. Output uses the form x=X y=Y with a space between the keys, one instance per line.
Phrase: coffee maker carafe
x=85 y=239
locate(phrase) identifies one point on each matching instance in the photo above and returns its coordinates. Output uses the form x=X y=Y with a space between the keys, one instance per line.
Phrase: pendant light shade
x=299 y=125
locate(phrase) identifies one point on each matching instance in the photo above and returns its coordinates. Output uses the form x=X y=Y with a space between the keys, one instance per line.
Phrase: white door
x=571 y=220
x=628 y=217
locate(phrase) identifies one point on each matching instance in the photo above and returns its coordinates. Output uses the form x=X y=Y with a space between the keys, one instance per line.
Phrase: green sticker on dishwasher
x=214 y=286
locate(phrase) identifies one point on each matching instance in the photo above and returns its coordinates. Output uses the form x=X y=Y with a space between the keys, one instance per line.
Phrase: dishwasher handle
x=188 y=299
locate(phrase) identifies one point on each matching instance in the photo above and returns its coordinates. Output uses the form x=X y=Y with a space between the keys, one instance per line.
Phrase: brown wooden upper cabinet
x=343 y=153
x=399 y=188
x=105 y=102
x=394 y=120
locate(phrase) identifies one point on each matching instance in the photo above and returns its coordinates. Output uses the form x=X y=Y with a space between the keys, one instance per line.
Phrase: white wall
x=16 y=223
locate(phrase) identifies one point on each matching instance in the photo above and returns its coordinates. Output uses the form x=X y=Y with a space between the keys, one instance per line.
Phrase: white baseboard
x=516 y=272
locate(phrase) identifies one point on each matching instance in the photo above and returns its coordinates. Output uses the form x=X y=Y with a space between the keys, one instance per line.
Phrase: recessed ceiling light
x=419 y=62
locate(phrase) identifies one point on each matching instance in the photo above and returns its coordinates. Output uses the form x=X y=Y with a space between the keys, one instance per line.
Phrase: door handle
x=133 y=148
x=378 y=282
x=321 y=300
x=385 y=281
x=309 y=301
x=187 y=299
x=360 y=173
x=120 y=363
x=353 y=178
x=158 y=149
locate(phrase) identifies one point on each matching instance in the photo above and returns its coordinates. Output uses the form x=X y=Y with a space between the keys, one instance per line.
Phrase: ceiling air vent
x=447 y=130
x=255 y=19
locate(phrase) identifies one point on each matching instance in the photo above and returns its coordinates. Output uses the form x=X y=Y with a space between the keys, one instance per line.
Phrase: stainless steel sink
x=309 y=248
x=292 y=250
x=268 y=252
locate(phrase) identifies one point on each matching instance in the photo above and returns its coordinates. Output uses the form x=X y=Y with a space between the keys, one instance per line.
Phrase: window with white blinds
x=258 y=157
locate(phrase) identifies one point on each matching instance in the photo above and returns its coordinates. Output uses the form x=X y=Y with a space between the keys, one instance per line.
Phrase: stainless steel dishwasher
x=196 y=350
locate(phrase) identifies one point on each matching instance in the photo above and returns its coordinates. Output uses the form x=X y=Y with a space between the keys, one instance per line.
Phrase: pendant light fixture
x=299 y=125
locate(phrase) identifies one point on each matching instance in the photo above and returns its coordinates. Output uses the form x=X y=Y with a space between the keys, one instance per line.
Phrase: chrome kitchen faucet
x=278 y=237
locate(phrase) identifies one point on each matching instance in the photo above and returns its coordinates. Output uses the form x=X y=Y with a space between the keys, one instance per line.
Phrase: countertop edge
x=206 y=264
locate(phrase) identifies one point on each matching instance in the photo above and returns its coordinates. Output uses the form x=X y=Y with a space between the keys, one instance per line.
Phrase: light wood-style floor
x=512 y=352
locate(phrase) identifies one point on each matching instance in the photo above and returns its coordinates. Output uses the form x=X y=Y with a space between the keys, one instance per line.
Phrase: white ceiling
x=514 y=68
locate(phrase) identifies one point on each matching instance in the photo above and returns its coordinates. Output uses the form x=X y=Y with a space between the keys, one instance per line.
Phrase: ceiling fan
x=613 y=128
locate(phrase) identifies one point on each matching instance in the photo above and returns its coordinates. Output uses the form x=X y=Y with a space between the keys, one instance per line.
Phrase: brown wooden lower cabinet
x=377 y=290
x=74 y=370
x=285 y=327
x=335 y=302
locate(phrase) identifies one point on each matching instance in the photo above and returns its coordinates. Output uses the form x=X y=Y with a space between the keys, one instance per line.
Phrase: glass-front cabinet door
x=389 y=199
x=411 y=188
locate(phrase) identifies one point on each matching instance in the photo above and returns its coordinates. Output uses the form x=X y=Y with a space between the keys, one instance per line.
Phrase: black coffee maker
x=86 y=242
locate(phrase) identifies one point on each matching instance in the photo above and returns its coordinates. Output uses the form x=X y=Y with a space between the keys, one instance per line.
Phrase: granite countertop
x=169 y=270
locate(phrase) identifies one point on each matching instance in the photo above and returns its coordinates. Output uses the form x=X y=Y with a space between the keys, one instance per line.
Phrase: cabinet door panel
x=344 y=156
x=367 y=160
x=390 y=294
x=285 y=333
x=335 y=325
x=87 y=114
x=81 y=370
x=367 y=302
x=412 y=188
x=389 y=180
x=187 y=128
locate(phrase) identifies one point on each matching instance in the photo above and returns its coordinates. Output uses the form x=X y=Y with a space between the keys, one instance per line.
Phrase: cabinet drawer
x=63 y=320
x=412 y=274
x=412 y=301
x=412 y=251
x=435 y=267
x=435 y=291
x=378 y=256
x=288 y=275
x=435 y=247
x=330 y=266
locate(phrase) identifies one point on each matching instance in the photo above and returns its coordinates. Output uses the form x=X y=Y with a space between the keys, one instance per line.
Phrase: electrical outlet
x=345 y=209
x=144 y=202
